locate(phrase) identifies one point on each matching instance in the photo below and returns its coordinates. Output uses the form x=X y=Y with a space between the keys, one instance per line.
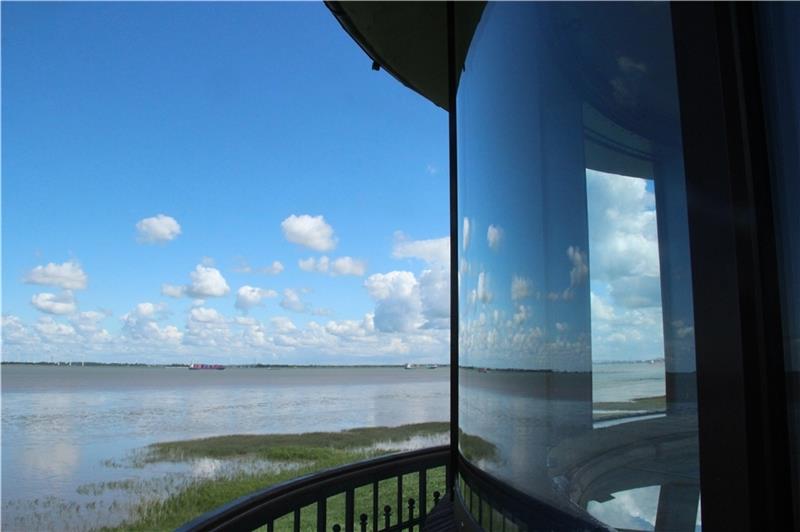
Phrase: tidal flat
x=235 y=465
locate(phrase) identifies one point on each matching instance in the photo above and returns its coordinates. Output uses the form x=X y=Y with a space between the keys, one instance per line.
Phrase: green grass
x=313 y=451
x=288 y=447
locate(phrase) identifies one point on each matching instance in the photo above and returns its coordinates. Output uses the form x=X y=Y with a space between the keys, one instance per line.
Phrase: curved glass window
x=577 y=375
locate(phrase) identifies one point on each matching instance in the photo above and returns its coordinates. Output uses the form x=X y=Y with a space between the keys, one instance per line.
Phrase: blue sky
x=153 y=150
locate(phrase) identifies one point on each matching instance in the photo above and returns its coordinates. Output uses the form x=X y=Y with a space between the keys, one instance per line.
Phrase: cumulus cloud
x=68 y=275
x=482 y=293
x=291 y=301
x=172 y=290
x=312 y=264
x=521 y=287
x=432 y=251
x=434 y=292
x=465 y=233
x=622 y=226
x=626 y=313
x=50 y=329
x=157 y=229
x=282 y=324
x=398 y=307
x=338 y=266
x=206 y=281
x=309 y=231
x=348 y=266
x=15 y=332
x=242 y=266
x=141 y=325
x=63 y=303
x=494 y=235
x=273 y=269
x=248 y=296
x=207 y=327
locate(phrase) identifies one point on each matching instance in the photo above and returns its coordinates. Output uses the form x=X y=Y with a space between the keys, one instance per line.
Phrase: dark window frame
x=742 y=411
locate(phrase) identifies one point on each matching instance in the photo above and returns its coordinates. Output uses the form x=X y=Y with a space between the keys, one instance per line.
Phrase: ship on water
x=206 y=366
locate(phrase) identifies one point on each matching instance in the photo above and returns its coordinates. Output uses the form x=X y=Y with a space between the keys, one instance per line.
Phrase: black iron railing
x=265 y=507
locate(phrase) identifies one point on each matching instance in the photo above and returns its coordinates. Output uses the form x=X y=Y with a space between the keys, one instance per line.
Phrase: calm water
x=66 y=428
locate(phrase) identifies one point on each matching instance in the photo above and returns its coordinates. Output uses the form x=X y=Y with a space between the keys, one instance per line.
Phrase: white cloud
x=140 y=325
x=69 y=275
x=207 y=327
x=494 y=235
x=338 y=266
x=63 y=303
x=248 y=297
x=398 y=307
x=522 y=313
x=431 y=169
x=309 y=231
x=273 y=269
x=282 y=324
x=434 y=292
x=172 y=290
x=346 y=328
x=622 y=225
x=482 y=292
x=207 y=282
x=521 y=287
x=49 y=328
x=432 y=251
x=291 y=301
x=348 y=266
x=465 y=233
x=312 y=264
x=157 y=229
x=580 y=268
x=206 y=315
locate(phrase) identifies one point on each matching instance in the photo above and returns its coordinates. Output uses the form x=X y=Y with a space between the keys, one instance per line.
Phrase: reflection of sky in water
x=60 y=424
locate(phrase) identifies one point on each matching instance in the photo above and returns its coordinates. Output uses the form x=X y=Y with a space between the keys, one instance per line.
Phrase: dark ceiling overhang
x=409 y=39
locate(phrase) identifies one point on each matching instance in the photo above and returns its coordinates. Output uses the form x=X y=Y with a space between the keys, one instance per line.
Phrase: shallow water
x=66 y=428
x=69 y=433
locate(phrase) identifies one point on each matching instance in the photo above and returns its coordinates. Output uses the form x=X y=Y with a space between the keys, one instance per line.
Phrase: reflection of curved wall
x=549 y=90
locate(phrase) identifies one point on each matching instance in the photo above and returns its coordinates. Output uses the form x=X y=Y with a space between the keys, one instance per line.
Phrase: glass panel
x=573 y=248
x=780 y=43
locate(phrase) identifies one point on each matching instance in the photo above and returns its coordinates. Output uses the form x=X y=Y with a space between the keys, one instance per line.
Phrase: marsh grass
x=311 y=452
x=656 y=403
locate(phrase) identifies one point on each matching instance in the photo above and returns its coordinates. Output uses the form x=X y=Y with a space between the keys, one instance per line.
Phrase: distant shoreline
x=310 y=366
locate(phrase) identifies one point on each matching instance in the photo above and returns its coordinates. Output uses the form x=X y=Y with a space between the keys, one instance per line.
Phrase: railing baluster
x=387 y=517
x=297 y=520
x=411 y=513
x=363 y=520
x=375 y=506
x=336 y=528
x=491 y=517
x=270 y=526
x=349 y=510
x=322 y=517
x=423 y=494
x=480 y=510
x=399 y=499
x=436 y=496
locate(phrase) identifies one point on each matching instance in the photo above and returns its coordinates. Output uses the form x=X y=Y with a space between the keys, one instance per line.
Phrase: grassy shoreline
x=310 y=452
